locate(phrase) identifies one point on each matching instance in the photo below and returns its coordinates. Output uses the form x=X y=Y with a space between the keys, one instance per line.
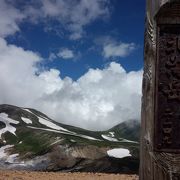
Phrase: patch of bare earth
x=25 y=175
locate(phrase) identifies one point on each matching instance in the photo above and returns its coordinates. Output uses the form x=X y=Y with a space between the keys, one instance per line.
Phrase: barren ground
x=25 y=175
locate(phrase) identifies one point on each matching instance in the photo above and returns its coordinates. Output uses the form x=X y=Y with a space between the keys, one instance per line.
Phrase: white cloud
x=10 y=17
x=105 y=97
x=100 y=97
x=72 y=15
x=65 y=53
x=114 y=49
x=52 y=56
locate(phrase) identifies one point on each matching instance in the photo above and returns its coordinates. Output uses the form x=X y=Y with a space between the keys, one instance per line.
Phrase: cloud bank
x=10 y=17
x=72 y=15
x=97 y=100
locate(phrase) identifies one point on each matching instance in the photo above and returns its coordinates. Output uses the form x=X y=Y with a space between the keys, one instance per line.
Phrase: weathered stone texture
x=160 y=134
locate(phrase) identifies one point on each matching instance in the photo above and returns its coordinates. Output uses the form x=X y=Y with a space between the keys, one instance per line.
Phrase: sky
x=78 y=61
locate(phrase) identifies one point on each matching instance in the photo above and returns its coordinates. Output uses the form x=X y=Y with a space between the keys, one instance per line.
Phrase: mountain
x=30 y=140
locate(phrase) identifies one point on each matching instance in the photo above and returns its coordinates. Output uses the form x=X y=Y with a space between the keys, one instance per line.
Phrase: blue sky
x=78 y=61
x=124 y=24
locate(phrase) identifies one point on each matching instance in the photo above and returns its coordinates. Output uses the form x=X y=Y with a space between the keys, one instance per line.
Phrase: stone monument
x=160 y=129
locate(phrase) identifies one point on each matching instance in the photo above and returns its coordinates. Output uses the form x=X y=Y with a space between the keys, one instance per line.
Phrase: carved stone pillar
x=160 y=125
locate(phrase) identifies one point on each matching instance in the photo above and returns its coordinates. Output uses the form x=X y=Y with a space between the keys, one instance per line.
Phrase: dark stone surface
x=167 y=106
x=160 y=122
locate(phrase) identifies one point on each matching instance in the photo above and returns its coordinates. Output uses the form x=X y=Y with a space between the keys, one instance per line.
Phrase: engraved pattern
x=167 y=119
x=149 y=39
x=176 y=176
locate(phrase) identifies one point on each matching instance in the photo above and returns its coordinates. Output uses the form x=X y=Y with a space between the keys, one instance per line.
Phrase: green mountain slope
x=31 y=140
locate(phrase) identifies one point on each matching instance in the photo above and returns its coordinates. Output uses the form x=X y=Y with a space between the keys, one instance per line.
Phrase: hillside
x=30 y=140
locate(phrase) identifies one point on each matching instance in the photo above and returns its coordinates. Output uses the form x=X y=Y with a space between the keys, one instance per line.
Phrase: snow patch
x=88 y=137
x=12 y=158
x=3 y=149
x=47 y=122
x=51 y=124
x=111 y=134
x=26 y=120
x=72 y=140
x=57 y=141
x=109 y=138
x=6 y=120
x=119 y=153
x=112 y=139
x=53 y=130
x=55 y=127
x=128 y=141
x=68 y=133
x=27 y=110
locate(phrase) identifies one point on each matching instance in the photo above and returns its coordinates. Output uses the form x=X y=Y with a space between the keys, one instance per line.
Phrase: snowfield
x=27 y=110
x=26 y=120
x=13 y=158
x=47 y=122
x=119 y=153
x=68 y=133
x=112 y=134
x=3 y=149
x=88 y=137
x=53 y=130
x=6 y=120
x=51 y=124
x=6 y=157
x=109 y=138
x=112 y=139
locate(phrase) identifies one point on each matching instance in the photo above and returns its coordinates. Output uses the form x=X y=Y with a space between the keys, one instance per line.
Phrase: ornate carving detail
x=167 y=110
x=176 y=176
x=150 y=29
x=149 y=40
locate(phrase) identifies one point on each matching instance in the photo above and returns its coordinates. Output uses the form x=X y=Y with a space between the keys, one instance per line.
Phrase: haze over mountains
x=31 y=140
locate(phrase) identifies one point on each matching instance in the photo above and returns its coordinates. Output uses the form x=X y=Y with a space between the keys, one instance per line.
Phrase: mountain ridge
x=33 y=138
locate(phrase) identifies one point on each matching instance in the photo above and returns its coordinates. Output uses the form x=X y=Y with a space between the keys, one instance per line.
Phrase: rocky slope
x=30 y=140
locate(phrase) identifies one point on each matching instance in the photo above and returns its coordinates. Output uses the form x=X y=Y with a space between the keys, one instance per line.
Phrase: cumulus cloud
x=103 y=97
x=72 y=15
x=65 y=53
x=114 y=49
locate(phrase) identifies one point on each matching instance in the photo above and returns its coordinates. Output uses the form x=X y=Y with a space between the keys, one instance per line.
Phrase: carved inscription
x=176 y=176
x=167 y=94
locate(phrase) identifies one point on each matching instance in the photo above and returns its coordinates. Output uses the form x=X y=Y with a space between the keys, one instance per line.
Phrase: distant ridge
x=30 y=140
